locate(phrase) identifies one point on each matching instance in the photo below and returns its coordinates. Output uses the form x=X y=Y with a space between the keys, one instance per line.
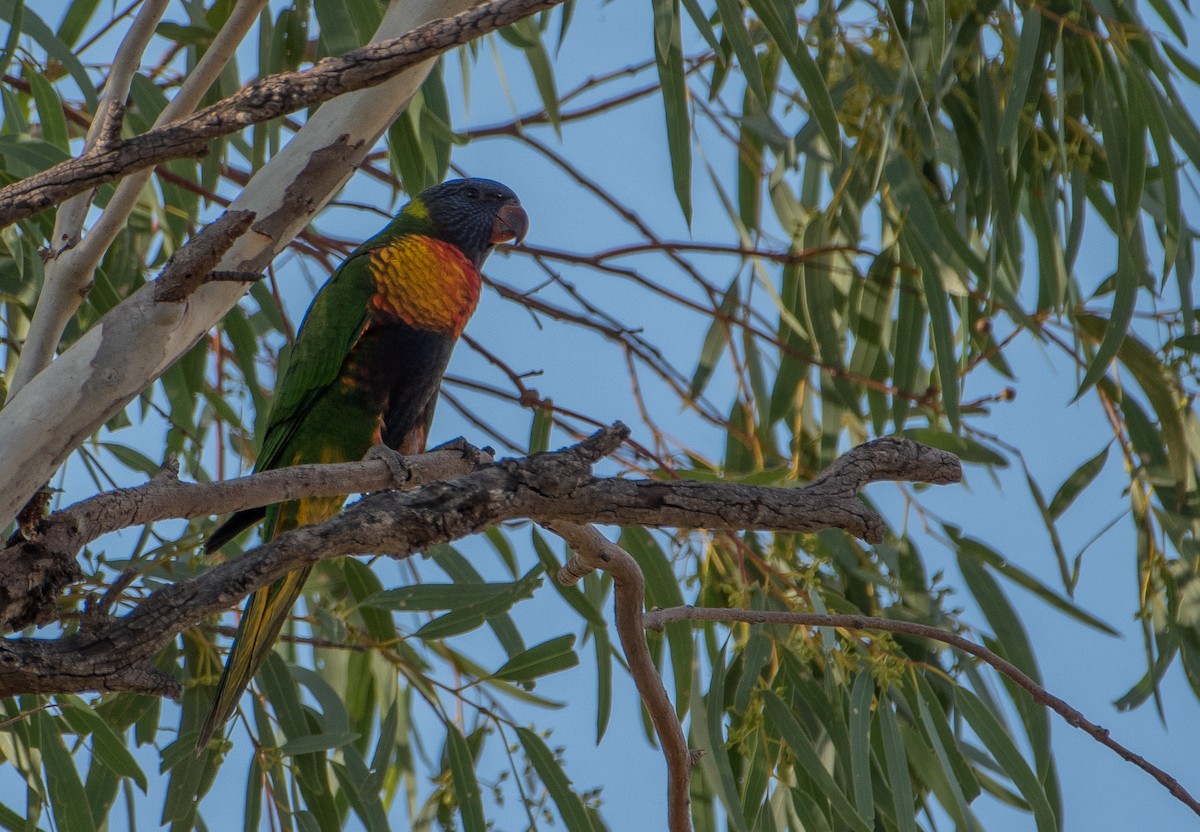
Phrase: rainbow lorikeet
x=365 y=369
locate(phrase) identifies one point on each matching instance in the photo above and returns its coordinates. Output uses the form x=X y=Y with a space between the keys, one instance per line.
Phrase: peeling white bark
x=140 y=339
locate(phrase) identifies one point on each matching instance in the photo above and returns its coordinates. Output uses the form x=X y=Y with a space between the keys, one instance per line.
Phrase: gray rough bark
x=114 y=654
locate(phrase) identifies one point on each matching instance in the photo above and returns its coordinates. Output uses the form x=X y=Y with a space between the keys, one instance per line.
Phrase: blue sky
x=579 y=371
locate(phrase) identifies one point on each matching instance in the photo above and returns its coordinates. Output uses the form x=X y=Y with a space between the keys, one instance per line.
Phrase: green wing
x=332 y=327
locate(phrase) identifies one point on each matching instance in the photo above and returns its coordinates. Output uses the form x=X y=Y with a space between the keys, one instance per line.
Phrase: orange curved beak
x=512 y=223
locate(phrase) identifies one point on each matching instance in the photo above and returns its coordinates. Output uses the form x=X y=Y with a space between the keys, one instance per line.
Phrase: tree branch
x=268 y=98
x=135 y=342
x=32 y=573
x=66 y=285
x=629 y=598
x=545 y=487
x=72 y=267
x=657 y=619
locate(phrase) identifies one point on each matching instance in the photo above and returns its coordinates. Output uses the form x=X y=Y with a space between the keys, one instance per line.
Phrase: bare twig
x=192 y=265
x=657 y=619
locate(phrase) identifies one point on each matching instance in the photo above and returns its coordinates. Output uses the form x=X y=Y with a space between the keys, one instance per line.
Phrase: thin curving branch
x=629 y=598
x=657 y=619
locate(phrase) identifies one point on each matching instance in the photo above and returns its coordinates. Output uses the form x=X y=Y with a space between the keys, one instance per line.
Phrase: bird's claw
x=397 y=463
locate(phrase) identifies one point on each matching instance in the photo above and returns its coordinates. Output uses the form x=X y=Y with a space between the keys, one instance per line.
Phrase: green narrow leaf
x=466 y=787
x=965 y=448
x=662 y=590
x=1127 y=170
x=701 y=22
x=668 y=53
x=252 y=812
x=1163 y=391
x=977 y=550
x=102 y=785
x=782 y=722
x=755 y=655
x=604 y=676
x=76 y=20
x=909 y=336
x=1028 y=53
x=708 y=716
x=24 y=155
x=468 y=617
x=570 y=807
x=1153 y=106
x=352 y=776
x=938 y=307
x=539 y=429
x=543 y=71
x=107 y=747
x=540 y=660
x=13 y=40
x=715 y=341
x=734 y=28
x=337 y=30
x=463 y=572
x=1013 y=643
x=50 y=111
x=861 y=694
x=996 y=740
x=363 y=583
x=932 y=762
x=21 y=16
x=311 y=772
x=1080 y=479
x=804 y=68
x=430 y=597
x=68 y=799
x=897 y=761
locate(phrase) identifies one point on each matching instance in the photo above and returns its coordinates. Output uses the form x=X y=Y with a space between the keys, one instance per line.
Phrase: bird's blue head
x=473 y=215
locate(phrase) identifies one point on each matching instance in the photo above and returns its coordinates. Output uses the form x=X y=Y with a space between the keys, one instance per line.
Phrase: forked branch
x=549 y=487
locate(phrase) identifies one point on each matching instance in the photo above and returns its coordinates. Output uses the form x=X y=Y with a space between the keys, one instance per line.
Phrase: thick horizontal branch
x=544 y=487
x=265 y=99
x=657 y=619
x=830 y=501
x=47 y=563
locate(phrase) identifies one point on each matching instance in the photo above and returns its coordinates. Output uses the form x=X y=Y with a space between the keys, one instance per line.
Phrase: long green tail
x=263 y=619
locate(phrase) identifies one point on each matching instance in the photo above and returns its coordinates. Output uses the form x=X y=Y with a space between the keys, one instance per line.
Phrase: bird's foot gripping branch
x=450 y=497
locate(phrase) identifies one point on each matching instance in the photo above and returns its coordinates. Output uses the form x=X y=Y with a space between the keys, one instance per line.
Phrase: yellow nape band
x=417 y=210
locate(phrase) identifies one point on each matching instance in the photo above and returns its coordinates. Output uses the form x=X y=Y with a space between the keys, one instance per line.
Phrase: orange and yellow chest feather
x=426 y=283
